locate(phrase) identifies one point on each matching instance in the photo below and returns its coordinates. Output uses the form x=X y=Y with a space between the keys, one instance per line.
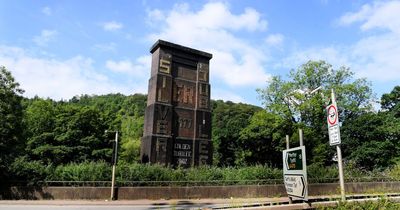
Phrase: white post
x=288 y=147
x=114 y=166
x=341 y=178
x=340 y=161
x=287 y=142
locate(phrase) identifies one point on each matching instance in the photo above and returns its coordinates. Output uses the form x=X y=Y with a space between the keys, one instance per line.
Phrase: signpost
x=295 y=172
x=334 y=138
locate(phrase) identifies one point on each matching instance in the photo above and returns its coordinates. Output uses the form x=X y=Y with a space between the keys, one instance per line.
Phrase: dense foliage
x=10 y=120
x=293 y=101
x=43 y=139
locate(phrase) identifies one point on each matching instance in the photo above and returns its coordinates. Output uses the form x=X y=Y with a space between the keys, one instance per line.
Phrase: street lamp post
x=114 y=164
x=301 y=141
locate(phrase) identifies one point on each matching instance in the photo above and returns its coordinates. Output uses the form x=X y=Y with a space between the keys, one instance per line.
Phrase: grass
x=380 y=204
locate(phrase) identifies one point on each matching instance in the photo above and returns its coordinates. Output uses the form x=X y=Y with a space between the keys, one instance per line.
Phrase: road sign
x=333 y=125
x=332 y=115
x=334 y=135
x=295 y=172
x=296 y=186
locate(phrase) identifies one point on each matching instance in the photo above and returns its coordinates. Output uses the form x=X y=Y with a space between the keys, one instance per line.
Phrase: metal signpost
x=295 y=172
x=114 y=164
x=334 y=139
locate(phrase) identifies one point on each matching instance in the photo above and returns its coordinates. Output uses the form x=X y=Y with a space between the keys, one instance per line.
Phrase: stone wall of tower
x=177 y=127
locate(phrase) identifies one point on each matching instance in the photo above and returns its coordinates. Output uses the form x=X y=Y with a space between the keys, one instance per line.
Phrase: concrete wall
x=132 y=193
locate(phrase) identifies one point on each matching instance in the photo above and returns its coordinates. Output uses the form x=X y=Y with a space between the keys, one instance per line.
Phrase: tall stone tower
x=177 y=125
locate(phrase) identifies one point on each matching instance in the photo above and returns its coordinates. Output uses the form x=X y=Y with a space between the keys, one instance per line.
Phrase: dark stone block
x=184 y=93
x=184 y=71
x=158 y=119
x=176 y=47
x=156 y=149
x=183 y=123
x=203 y=97
x=182 y=152
x=203 y=152
x=160 y=89
x=203 y=119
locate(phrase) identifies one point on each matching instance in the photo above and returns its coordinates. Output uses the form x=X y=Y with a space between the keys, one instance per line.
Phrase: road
x=233 y=203
x=101 y=207
x=132 y=204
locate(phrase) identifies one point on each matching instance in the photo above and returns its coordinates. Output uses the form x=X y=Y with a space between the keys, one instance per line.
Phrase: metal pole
x=340 y=161
x=341 y=179
x=301 y=137
x=287 y=142
x=114 y=167
x=288 y=147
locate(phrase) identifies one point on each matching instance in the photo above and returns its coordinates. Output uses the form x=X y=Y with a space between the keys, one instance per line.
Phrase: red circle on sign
x=336 y=116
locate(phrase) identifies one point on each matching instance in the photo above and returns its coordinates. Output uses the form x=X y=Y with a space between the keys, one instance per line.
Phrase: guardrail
x=186 y=192
x=125 y=183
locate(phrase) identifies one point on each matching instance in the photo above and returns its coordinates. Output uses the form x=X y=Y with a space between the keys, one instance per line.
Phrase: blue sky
x=63 y=48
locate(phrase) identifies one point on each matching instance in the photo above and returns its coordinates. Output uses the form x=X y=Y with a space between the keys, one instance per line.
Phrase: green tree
x=291 y=100
x=39 y=120
x=122 y=113
x=132 y=131
x=59 y=133
x=131 y=116
x=391 y=101
x=262 y=140
x=371 y=139
x=10 y=120
x=228 y=120
x=79 y=135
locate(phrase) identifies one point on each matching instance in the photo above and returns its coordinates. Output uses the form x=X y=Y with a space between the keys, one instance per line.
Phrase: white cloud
x=220 y=94
x=274 y=40
x=155 y=14
x=384 y=15
x=47 y=11
x=140 y=68
x=105 y=47
x=60 y=79
x=361 y=15
x=45 y=37
x=215 y=29
x=332 y=54
x=112 y=26
x=375 y=55
x=120 y=66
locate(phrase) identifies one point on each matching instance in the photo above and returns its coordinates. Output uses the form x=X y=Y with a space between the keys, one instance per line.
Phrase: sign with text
x=182 y=152
x=333 y=125
x=295 y=172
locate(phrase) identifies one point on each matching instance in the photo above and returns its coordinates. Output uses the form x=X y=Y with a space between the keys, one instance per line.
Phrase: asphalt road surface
x=125 y=205
x=135 y=204
x=103 y=207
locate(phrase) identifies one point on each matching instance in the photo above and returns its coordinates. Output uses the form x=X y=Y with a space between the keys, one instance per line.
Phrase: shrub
x=86 y=171
x=29 y=172
x=381 y=203
x=316 y=173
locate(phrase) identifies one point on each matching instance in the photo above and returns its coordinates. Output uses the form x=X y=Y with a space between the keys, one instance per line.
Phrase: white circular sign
x=332 y=115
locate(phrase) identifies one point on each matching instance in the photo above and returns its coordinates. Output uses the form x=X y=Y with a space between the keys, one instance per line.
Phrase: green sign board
x=294 y=160
x=295 y=172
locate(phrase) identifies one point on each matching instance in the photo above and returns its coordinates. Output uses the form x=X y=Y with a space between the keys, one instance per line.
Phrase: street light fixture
x=307 y=93
x=315 y=90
